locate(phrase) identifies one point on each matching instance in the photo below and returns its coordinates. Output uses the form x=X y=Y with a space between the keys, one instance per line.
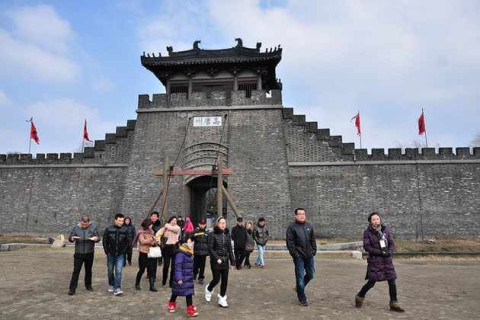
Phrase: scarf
x=184 y=248
x=381 y=235
x=140 y=231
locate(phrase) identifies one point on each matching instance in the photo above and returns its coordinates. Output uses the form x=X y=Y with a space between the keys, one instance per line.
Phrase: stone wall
x=51 y=198
x=441 y=195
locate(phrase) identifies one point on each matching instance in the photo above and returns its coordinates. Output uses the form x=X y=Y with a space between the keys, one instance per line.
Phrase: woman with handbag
x=148 y=254
x=250 y=245
x=171 y=235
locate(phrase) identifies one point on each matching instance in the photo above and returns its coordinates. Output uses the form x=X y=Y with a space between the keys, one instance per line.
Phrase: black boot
x=152 y=285
x=137 y=283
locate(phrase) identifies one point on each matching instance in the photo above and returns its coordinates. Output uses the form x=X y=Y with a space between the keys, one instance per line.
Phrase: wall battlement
x=95 y=154
x=347 y=151
x=211 y=99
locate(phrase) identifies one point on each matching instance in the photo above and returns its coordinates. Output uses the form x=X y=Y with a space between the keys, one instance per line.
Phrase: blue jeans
x=261 y=255
x=114 y=270
x=304 y=271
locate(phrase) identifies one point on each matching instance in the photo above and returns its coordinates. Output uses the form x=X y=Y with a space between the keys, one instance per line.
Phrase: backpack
x=250 y=245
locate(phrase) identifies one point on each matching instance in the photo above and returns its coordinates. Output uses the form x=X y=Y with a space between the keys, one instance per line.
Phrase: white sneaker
x=110 y=289
x=208 y=294
x=222 y=301
x=118 y=292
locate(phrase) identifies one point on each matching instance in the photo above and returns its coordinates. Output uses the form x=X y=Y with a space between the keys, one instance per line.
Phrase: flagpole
x=425 y=124
x=360 y=130
x=29 y=135
x=360 y=136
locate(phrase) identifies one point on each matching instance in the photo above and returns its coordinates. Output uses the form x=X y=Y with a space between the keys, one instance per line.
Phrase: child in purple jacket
x=183 y=277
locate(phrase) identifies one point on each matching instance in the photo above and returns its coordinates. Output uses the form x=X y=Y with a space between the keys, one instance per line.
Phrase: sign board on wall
x=207 y=121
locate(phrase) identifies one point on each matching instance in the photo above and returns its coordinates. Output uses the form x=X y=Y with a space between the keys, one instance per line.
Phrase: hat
x=239 y=219
x=202 y=221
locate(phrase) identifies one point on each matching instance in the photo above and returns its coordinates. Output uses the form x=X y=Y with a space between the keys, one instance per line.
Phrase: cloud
x=4 y=99
x=102 y=85
x=37 y=46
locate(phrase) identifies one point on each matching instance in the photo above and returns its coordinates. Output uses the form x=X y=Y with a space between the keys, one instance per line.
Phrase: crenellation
x=394 y=153
x=99 y=145
x=323 y=134
x=144 y=101
x=65 y=157
x=13 y=158
x=335 y=141
x=287 y=113
x=89 y=152
x=131 y=125
x=463 y=153
x=298 y=120
x=378 y=154
x=121 y=132
x=412 y=153
x=311 y=127
x=428 y=154
x=361 y=154
x=110 y=138
x=445 y=153
x=159 y=100
x=476 y=152
x=348 y=148
x=26 y=158
x=3 y=158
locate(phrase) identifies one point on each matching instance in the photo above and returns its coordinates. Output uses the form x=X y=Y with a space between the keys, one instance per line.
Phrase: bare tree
x=476 y=141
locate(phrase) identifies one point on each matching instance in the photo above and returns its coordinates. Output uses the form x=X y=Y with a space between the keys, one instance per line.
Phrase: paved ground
x=34 y=285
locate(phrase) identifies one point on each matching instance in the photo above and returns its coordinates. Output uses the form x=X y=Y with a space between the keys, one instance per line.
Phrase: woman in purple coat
x=378 y=242
x=183 y=276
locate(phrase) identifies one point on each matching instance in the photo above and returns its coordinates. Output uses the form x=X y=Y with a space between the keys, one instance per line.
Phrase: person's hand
x=75 y=237
x=385 y=254
x=93 y=238
x=180 y=282
x=219 y=261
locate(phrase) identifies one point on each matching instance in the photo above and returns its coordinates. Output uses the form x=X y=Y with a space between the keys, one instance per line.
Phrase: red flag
x=85 y=132
x=421 y=124
x=33 y=133
x=357 y=123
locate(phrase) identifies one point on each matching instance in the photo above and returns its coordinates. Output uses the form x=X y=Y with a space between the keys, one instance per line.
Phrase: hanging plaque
x=207 y=121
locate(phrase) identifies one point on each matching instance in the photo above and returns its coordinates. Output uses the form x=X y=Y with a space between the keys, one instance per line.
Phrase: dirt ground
x=34 y=285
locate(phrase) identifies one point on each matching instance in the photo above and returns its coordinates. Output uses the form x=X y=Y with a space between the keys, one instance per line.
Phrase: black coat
x=131 y=229
x=116 y=240
x=84 y=244
x=239 y=237
x=200 y=247
x=301 y=240
x=220 y=247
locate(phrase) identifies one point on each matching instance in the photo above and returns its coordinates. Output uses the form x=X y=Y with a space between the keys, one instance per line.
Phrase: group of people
x=184 y=250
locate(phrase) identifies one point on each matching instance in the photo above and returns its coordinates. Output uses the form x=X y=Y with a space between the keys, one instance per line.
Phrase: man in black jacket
x=239 y=237
x=302 y=247
x=85 y=235
x=116 y=239
x=200 y=251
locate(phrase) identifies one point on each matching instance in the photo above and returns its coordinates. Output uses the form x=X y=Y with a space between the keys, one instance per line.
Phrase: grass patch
x=16 y=238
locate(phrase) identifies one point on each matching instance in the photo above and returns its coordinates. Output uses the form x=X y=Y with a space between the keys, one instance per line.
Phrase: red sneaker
x=192 y=311
x=172 y=306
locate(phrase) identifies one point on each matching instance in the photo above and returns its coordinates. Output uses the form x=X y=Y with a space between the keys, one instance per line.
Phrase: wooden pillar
x=166 y=168
x=231 y=202
x=235 y=83
x=219 y=189
x=168 y=88
x=259 y=82
x=190 y=87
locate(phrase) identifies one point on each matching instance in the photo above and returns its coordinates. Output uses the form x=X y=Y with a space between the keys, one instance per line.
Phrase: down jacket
x=220 y=247
x=379 y=268
x=201 y=242
x=301 y=240
x=183 y=271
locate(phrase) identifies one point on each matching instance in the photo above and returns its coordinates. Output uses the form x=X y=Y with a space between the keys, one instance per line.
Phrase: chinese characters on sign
x=207 y=121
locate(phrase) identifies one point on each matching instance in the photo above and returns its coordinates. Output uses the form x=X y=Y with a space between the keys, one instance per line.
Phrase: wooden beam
x=231 y=202
x=225 y=172
x=219 y=189
x=166 y=169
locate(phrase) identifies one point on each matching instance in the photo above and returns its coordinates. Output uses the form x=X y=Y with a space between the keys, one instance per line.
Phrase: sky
x=65 y=61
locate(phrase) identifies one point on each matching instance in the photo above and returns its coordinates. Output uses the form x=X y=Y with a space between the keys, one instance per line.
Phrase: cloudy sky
x=64 y=61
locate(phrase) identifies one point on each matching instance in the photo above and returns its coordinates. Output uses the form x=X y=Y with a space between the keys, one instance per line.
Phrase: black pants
x=189 y=299
x=217 y=275
x=78 y=260
x=168 y=262
x=128 y=255
x=199 y=267
x=392 y=289
x=240 y=254
x=144 y=262
x=247 y=259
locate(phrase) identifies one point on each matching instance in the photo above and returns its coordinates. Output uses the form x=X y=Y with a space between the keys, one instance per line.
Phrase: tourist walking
x=128 y=255
x=378 y=242
x=146 y=240
x=239 y=237
x=85 y=235
x=200 y=251
x=261 y=237
x=116 y=239
x=220 y=249
x=157 y=225
x=250 y=245
x=171 y=232
x=183 y=277
x=302 y=247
